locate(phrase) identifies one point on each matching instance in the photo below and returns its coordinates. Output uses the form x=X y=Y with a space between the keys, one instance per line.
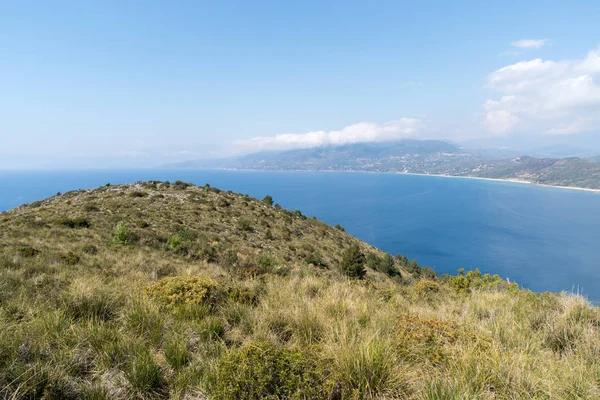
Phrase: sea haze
x=544 y=238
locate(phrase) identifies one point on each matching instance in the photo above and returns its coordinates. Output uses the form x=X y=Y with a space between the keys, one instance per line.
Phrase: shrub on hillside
x=426 y=288
x=27 y=251
x=70 y=258
x=353 y=262
x=264 y=371
x=74 y=223
x=138 y=193
x=423 y=339
x=91 y=207
x=181 y=185
x=268 y=200
x=121 y=234
x=385 y=264
x=186 y=290
x=245 y=225
x=316 y=259
x=465 y=283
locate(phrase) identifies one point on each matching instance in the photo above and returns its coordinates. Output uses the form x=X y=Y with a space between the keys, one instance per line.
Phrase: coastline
x=504 y=180
x=420 y=174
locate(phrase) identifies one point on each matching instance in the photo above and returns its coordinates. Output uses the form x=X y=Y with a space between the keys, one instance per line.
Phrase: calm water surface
x=544 y=238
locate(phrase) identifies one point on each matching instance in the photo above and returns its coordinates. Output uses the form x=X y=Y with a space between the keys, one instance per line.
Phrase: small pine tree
x=353 y=262
x=388 y=266
x=268 y=200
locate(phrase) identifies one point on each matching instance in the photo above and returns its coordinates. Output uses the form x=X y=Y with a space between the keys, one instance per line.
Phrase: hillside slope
x=158 y=290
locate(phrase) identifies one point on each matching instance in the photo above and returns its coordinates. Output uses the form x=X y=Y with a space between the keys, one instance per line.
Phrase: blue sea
x=546 y=239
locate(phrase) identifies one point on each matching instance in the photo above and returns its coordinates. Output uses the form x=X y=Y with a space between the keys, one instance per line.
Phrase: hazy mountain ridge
x=421 y=157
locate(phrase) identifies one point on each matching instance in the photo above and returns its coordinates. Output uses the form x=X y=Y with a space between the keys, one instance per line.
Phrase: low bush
x=121 y=234
x=27 y=251
x=74 y=223
x=245 y=225
x=138 y=193
x=316 y=259
x=422 y=339
x=268 y=200
x=426 y=288
x=70 y=258
x=181 y=185
x=187 y=290
x=465 y=283
x=263 y=371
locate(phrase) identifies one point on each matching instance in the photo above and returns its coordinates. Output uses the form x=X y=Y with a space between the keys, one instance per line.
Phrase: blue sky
x=117 y=83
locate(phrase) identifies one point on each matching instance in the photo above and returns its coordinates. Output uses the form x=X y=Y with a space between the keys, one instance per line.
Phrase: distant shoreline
x=419 y=174
x=503 y=180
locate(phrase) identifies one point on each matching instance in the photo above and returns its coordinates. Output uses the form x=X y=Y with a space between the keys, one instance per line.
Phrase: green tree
x=414 y=269
x=388 y=266
x=353 y=262
x=268 y=200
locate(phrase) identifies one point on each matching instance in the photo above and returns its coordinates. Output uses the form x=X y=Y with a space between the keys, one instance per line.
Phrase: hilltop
x=171 y=290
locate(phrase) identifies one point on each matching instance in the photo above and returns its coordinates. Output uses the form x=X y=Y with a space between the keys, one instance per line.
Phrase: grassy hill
x=158 y=290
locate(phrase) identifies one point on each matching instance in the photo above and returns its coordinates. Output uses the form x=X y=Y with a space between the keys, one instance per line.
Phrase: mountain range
x=430 y=157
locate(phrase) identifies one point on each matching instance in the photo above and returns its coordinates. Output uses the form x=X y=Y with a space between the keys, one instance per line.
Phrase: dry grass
x=85 y=326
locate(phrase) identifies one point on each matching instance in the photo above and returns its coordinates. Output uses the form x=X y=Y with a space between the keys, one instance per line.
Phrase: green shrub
x=268 y=200
x=174 y=243
x=186 y=290
x=229 y=259
x=27 y=251
x=388 y=266
x=121 y=234
x=340 y=228
x=74 y=223
x=316 y=259
x=91 y=207
x=89 y=249
x=263 y=371
x=138 y=193
x=181 y=185
x=465 y=283
x=428 y=273
x=70 y=258
x=385 y=264
x=426 y=288
x=413 y=268
x=267 y=262
x=353 y=262
x=269 y=235
x=245 y=225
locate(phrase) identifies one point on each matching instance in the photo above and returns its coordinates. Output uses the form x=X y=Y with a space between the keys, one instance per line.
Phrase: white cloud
x=555 y=97
x=358 y=133
x=530 y=43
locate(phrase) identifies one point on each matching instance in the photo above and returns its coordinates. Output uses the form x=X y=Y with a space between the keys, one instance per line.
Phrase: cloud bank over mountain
x=357 y=133
x=545 y=97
